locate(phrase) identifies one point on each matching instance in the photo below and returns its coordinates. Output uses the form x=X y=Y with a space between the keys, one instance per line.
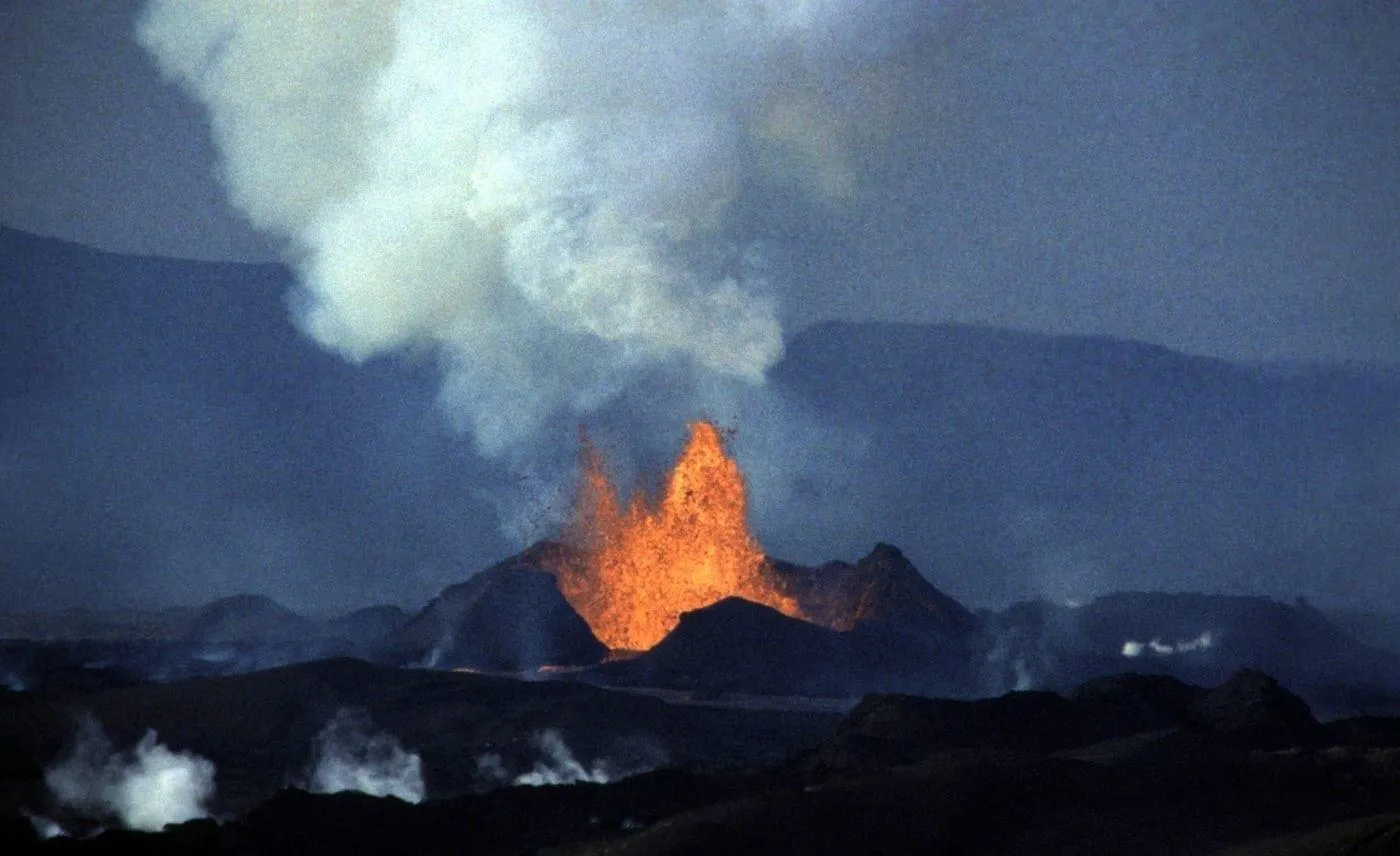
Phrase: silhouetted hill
x=882 y=587
x=248 y=618
x=371 y=624
x=183 y=440
x=1017 y=465
x=508 y=617
x=736 y=645
x=1198 y=638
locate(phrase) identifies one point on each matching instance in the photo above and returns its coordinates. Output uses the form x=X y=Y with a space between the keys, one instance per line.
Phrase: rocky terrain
x=1129 y=763
x=901 y=635
x=1144 y=722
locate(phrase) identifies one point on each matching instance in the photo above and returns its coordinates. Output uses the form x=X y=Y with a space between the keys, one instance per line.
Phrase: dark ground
x=1127 y=764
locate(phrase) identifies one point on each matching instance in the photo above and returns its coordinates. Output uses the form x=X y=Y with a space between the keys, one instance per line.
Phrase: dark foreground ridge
x=1129 y=763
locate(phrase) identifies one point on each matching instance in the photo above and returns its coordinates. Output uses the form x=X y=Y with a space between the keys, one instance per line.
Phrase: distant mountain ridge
x=1011 y=465
x=1008 y=465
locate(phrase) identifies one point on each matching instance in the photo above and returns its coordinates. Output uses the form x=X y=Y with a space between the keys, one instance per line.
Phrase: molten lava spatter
x=640 y=567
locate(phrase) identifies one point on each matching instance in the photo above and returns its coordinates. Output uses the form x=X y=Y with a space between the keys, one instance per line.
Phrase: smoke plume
x=558 y=765
x=145 y=788
x=1132 y=648
x=542 y=195
x=349 y=755
x=45 y=828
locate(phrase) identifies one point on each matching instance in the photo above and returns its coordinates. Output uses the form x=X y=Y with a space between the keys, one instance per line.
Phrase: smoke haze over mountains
x=561 y=203
x=632 y=216
x=151 y=462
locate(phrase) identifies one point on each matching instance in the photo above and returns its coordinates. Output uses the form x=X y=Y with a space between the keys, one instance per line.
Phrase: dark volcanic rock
x=1025 y=773
x=519 y=620
x=348 y=822
x=17 y=834
x=259 y=728
x=371 y=624
x=1375 y=731
x=1252 y=711
x=884 y=586
x=507 y=821
x=1129 y=703
x=897 y=634
x=509 y=617
x=893 y=730
x=740 y=646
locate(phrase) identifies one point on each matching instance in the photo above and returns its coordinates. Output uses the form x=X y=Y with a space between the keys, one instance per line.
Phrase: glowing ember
x=640 y=567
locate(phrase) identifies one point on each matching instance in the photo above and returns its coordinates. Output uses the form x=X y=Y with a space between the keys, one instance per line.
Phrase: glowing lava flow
x=640 y=567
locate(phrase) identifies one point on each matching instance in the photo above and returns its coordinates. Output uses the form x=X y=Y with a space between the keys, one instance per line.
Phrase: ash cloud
x=541 y=195
x=351 y=755
x=145 y=788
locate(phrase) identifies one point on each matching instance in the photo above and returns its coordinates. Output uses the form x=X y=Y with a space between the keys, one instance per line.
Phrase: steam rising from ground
x=541 y=194
x=349 y=755
x=45 y=828
x=146 y=788
x=558 y=765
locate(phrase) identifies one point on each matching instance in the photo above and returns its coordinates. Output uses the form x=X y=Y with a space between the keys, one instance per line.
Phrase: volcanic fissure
x=641 y=564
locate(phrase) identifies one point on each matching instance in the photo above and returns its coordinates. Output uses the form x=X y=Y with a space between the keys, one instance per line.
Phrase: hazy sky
x=1220 y=177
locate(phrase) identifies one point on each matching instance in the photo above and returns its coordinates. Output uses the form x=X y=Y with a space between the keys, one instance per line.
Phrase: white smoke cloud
x=558 y=765
x=1006 y=667
x=538 y=192
x=349 y=755
x=45 y=828
x=1133 y=648
x=146 y=788
x=1200 y=643
x=1024 y=680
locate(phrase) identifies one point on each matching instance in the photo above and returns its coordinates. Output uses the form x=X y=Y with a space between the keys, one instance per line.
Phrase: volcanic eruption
x=642 y=564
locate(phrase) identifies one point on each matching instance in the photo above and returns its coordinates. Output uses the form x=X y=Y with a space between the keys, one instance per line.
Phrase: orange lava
x=640 y=567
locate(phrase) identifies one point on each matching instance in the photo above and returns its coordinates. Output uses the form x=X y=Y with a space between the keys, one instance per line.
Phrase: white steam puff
x=349 y=755
x=1133 y=648
x=45 y=828
x=557 y=764
x=540 y=192
x=146 y=788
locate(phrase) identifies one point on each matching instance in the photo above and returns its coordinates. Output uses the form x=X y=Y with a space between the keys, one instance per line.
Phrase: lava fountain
x=640 y=566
